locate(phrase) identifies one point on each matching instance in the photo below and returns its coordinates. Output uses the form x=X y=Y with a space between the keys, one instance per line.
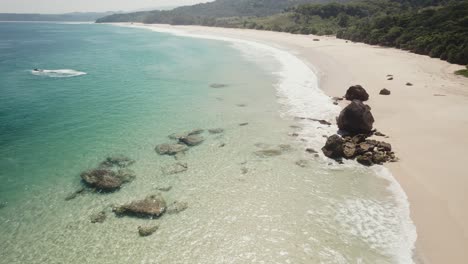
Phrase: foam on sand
x=61 y=73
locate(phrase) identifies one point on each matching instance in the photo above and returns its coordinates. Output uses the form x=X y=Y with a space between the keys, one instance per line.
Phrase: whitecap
x=61 y=73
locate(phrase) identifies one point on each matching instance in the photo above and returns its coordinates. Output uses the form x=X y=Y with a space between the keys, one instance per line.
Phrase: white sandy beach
x=427 y=124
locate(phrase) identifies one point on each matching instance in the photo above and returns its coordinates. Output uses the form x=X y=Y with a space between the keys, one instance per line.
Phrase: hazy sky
x=63 y=6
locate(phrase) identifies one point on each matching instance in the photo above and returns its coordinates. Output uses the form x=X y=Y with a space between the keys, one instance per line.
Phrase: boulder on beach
x=385 y=91
x=147 y=230
x=333 y=147
x=170 y=149
x=356 y=92
x=349 y=150
x=151 y=206
x=365 y=159
x=174 y=168
x=356 y=118
x=192 y=140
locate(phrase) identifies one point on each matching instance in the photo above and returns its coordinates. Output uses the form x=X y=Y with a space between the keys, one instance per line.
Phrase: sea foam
x=298 y=89
x=61 y=73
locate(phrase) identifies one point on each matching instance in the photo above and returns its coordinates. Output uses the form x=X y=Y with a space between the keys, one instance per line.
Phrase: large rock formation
x=356 y=118
x=151 y=206
x=356 y=92
x=333 y=147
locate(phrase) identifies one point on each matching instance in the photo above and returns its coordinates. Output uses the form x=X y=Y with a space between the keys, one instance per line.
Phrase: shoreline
x=436 y=203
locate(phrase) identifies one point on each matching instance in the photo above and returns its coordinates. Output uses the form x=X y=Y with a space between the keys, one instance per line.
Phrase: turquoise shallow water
x=139 y=87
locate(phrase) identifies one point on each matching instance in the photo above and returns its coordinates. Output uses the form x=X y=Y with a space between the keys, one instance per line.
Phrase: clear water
x=139 y=87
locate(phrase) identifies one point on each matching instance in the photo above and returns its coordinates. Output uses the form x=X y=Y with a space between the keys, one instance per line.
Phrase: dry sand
x=427 y=124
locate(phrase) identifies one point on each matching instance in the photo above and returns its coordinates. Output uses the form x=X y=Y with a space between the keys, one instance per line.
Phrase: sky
x=65 y=6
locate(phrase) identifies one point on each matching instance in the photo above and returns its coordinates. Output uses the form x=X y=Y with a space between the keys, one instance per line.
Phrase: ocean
x=105 y=90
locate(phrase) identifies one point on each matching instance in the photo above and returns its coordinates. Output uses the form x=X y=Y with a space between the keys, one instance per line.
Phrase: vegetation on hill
x=463 y=72
x=438 y=28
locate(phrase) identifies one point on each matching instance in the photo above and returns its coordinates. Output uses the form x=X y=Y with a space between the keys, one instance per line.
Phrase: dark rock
x=175 y=168
x=365 y=159
x=311 y=150
x=315 y=39
x=379 y=157
x=151 y=206
x=385 y=92
x=349 y=150
x=75 y=194
x=333 y=147
x=335 y=103
x=321 y=121
x=356 y=118
x=268 y=153
x=356 y=92
x=119 y=161
x=359 y=138
x=390 y=78
x=216 y=130
x=170 y=149
x=222 y=145
x=244 y=170
x=177 y=207
x=294 y=134
x=102 y=179
x=147 y=230
x=243 y=124
x=98 y=217
x=363 y=147
x=192 y=140
x=379 y=134
x=337 y=98
x=409 y=84
x=384 y=146
x=218 y=85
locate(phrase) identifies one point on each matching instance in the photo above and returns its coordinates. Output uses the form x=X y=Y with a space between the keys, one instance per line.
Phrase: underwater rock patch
x=192 y=140
x=147 y=230
x=98 y=217
x=170 y=149
x=119 y=161
x=175 y=168
x=216 y=130
x=151 y=206
x=102 y=179
x=176 y=207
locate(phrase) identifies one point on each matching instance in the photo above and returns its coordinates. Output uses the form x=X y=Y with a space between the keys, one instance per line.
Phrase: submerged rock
x=178 y=136
x=147 y=230
x=170 y=149
x=311 y=150
x=268 y=153
x=75 y=194
x=356 y=118
x=243 y=124
x=244 y=170
x=365 y=159
x=216 y=130
x=356 y=92
x=3 y=204
x=151 y=206
x=218 y=85
x=102 y=179
x=192 y=140
x=302 y=163
x=176 y=207
x=119 y=161
x=175 y=168
x=98 y=217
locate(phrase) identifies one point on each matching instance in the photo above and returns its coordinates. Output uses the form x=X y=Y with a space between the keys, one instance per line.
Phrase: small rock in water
x=243 y=124
x=98 y=217
x=164 y=189
x=102 y=180
x=192 y=140
x=170 y=149
x=390 y=78
x=147 y=230
x=241 y=105
x=177 y=207
x=3 y=204
x=222 y=145
x=218 y=85
x=151 y=206
x=174 y=168
x=216 y=130
x=268 y=153
x=385 y=92
x=74 y=194
x=302 y=163
x=321 y=121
